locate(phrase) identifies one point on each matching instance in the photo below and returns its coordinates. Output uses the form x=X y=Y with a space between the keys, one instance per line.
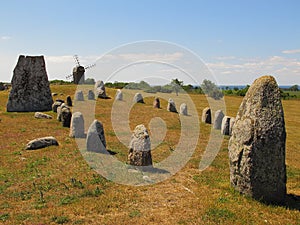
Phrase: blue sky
x=238 y=40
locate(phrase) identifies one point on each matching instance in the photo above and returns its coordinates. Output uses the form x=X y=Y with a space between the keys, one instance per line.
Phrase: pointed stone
x=95 y=141
x=218 y=119
x=206 y=115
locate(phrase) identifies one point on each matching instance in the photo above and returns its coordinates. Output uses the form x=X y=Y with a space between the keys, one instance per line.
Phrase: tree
x=294 y=88
x=211 y=89
x=177 y=85
x=89 y=81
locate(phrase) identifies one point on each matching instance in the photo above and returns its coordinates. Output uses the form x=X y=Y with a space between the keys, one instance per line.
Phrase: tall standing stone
x=30 y=86
x=257 y=144
x=171 y=107
x=140 y=147
x=55 y=105
x=119 y=95
x=100 y=89
x=77 y=125
x=218 y=119
x=95 y=141
x=138 y=98
x=206 y=115
x=156 y=103
x=183 y=109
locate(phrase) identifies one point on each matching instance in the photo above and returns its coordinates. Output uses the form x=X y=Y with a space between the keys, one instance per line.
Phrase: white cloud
x=291 y=51
x=4 y=38
x=286 y=70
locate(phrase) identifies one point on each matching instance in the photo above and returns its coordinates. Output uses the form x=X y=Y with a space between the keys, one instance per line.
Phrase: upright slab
x=30 y=86
x=257 y=144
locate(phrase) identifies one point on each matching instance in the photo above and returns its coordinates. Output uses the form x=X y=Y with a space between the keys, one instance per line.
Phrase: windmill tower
x=78 y=71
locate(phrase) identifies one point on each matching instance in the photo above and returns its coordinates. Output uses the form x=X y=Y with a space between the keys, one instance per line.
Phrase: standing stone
x=69 y=101
x=232 y=122
x=100 y=89
x=206 y=115
x=66 y=116
x=140 y=147
x=183 y=109
x=119 y=95
x=156 y=103
x=40 y=115
x=95 y=141
x=59 y=110
x=257 y=145
x=171 y=106
x=218 y=119
x=91 y=95
x=77 y=125
x=138 y=98
x=79 y=96
x=225 y=127
x=55 y=106
x=30 y=86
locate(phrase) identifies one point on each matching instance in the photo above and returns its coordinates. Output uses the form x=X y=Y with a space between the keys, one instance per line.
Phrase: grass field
x=55 y=185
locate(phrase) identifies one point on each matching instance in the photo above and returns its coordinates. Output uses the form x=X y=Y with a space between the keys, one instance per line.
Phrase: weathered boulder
x=257 y=144
x=206 y=115
x=140 y=147
x=138 y=98
x=156 y=103
x=171 y=106
x=119 y=95
x=95 y=141
x=41 y=143
x=91 y=95
x=40 y=115
x=79 y=96
x=66 y=116
x=183 y=109
x=77 y=125
x=218 y=119
x=55 y=106
x=69 y=101
x=30 y=86
x=100 y=89
x=225 y=127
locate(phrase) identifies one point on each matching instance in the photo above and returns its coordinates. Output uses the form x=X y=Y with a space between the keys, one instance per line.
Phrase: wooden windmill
x=78 y=71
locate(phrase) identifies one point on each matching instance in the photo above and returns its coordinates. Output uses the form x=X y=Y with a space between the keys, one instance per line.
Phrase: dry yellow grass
x=55 y=185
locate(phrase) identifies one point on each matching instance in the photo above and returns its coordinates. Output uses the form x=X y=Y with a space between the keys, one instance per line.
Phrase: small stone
x=60 y=100
x=206 y=115
x=66 y=116
x=257 y=145
x=138 y=98
x=79 y=96
x=156 y=103
x=171 y=106
x=183 y=109
x=119 y=95
x=40 y=115
x=55 y=106
x=41 y=143
x=91 y=95
x=225 y=127
x=140 y=147
x=100 y=89
x=95 y=141
x=69 y=101
x=54 y=94
x=59 y=109
x=218 y=119
x=77 y=125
